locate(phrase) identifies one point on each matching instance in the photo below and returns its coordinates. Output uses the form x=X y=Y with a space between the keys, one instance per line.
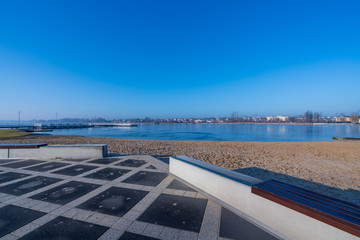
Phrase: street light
x=19 y=118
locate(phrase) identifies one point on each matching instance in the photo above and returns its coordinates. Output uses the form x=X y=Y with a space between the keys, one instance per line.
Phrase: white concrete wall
x=236 y=193
x=3 y=153
x=60 y=151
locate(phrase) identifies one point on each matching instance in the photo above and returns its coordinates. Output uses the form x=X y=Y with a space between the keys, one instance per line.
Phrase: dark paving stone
x=29 y=185
x=65 y=193
x=47 y=166
x=132 y=163
x=146 y=178
x=13 y=217
x=176 y=211
x=108 y=174
x=76 y=159
x=9 y=176
x=2 y=161
x=75 y=170
x=133 y=236
x=163 y=158
x=235 y=227
x=151 y=167
x=22 y=164
x=114 y=201
x=105 y=160
x=66 y=229
x=176 y=184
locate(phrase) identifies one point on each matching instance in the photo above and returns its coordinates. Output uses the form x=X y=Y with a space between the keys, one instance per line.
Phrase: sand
x=331 y=168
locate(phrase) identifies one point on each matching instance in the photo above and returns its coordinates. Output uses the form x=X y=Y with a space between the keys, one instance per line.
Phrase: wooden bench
x=18 y=146
x=335 y=212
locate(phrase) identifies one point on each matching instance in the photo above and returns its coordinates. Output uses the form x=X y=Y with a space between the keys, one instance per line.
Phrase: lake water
x=220 y=132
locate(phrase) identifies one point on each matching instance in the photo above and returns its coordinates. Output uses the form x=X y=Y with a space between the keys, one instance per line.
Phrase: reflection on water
x=221 y=132
x=349 y=130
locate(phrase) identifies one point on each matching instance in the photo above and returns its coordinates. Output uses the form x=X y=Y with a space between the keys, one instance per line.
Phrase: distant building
x=277 y=119
x=37 y=126
x=283 y=118
x=342 y=119
x=199 y=121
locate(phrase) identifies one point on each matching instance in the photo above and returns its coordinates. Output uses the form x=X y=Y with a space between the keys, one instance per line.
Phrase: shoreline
x=264 y=123
x=328 y=167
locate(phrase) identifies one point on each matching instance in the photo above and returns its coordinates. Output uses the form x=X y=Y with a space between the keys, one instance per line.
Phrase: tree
x=317 y=117
x=308 y=116
x=292 y=119
x=354 y=118
x=234 y=116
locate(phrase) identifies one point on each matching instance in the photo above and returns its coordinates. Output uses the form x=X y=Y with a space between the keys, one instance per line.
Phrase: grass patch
x=11 y=133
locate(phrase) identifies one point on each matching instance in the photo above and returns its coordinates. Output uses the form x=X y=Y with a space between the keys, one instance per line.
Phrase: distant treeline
x=308 y=117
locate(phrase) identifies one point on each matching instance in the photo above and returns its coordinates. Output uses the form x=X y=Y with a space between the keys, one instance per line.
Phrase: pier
x=44 y=128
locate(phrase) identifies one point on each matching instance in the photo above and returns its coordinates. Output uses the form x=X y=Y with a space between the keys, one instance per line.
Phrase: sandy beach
x=331 y=168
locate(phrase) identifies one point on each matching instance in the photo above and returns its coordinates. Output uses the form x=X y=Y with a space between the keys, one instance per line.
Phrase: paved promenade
x=121 y=197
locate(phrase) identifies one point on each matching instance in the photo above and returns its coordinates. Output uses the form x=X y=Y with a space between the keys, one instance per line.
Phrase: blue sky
x=121 y=59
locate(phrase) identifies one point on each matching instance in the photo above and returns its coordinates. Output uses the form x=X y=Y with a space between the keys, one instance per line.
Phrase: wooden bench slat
x=317 y=198
x=351 y=217
x=337 y=213
x=356 y=208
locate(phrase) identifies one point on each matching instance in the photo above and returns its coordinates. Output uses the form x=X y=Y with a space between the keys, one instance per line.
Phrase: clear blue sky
x=120 y=59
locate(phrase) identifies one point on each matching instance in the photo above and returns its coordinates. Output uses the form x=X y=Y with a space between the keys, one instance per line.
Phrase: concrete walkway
x=124 y=197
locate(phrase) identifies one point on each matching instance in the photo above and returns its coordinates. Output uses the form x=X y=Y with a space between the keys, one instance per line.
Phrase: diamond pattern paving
x=75 y=170
x=29 y=185
x=66 y=193
x=66 y=228
x=132 y=163
x=13 y=217
x=2 y=161
x=176 y=184
x=176 y=211
x=235 y=227
x=108 y=174
x=22 y=164
x=151 y=167
x=105 y=160
x=117 y=202
x=146 y=178
x=75 y=159
x=47 y=166
x=114 y=201
x=10 y=176
x=134 y=236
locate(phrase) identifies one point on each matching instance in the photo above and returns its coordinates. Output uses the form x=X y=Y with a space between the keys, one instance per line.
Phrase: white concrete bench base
x=57 y=151
x=234 y=189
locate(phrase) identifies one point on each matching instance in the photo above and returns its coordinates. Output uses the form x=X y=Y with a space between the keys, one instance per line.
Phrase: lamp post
x=19 y=119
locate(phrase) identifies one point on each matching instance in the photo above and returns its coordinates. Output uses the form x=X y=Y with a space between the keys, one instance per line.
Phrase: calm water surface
x=220 y=132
